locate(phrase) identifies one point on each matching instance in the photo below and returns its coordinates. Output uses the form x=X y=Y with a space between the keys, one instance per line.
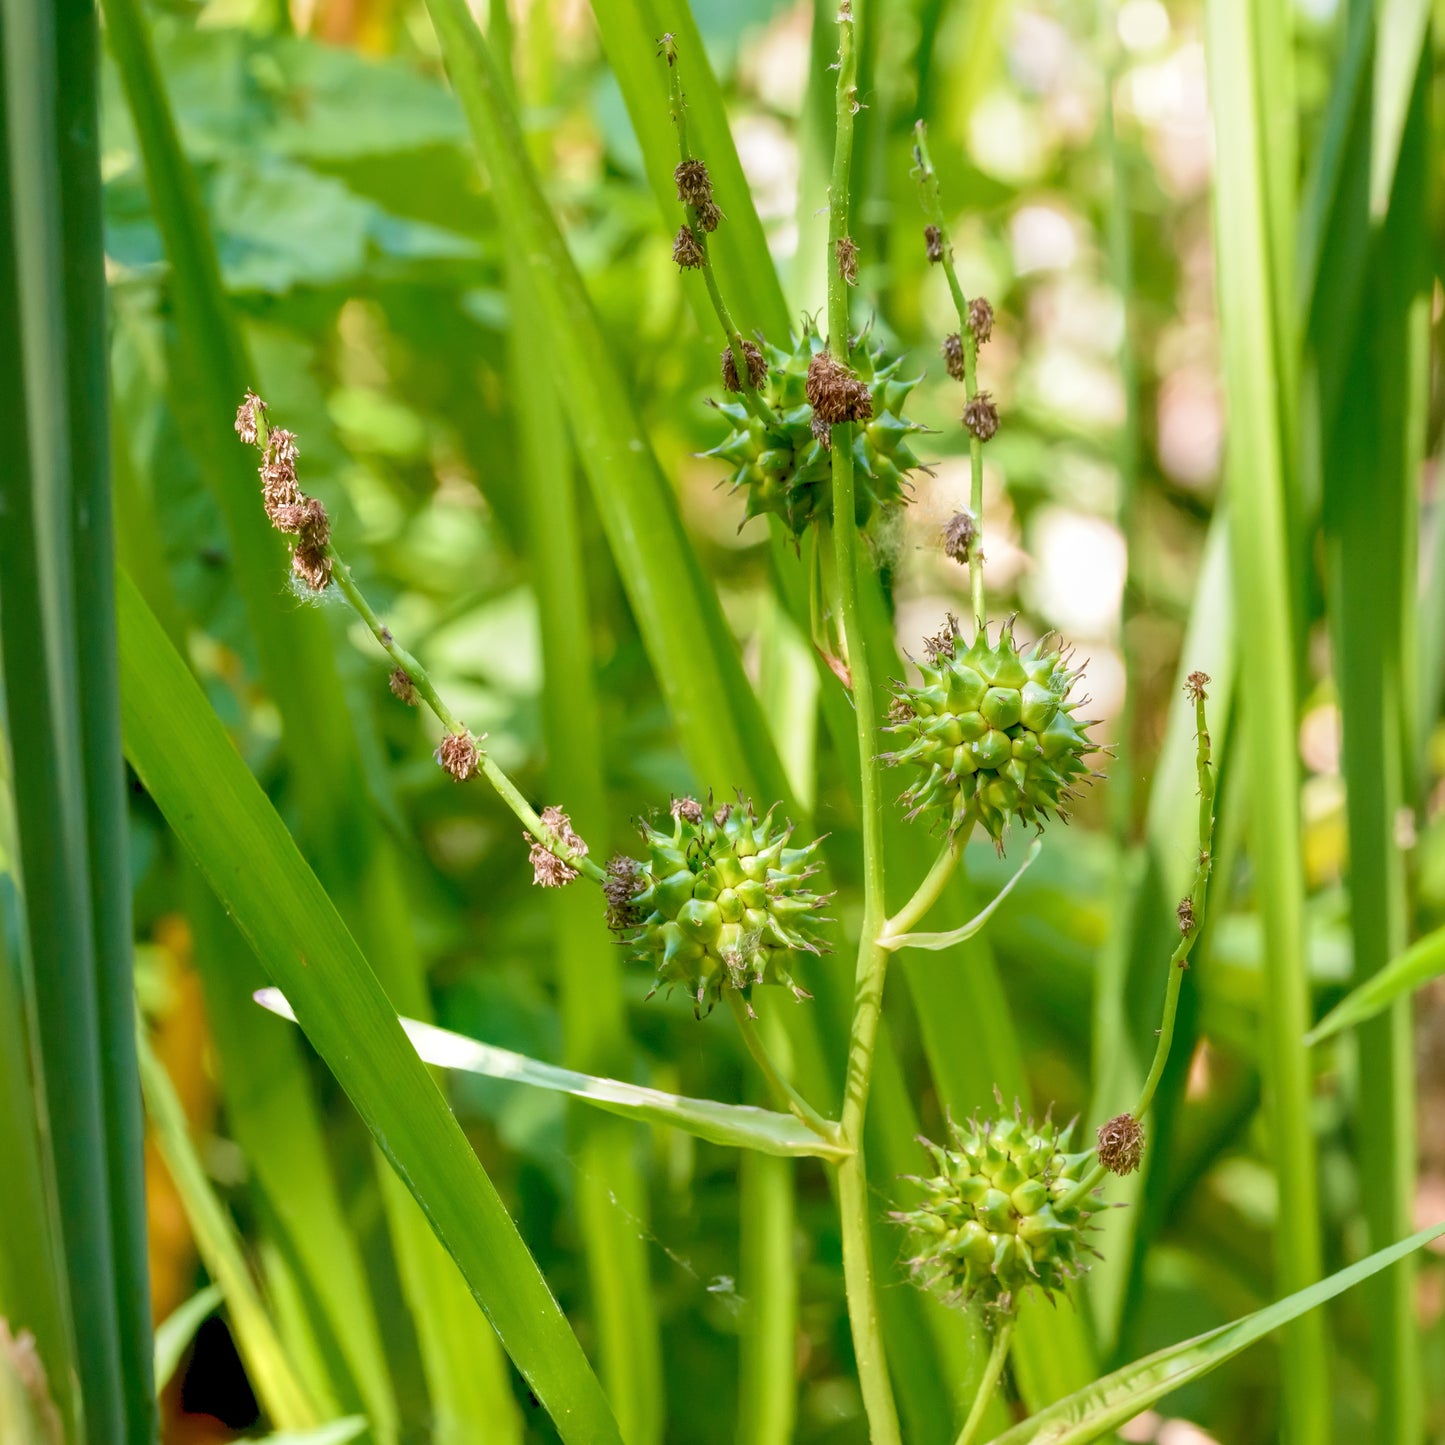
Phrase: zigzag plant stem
x=872 y=957
x=928 y=194
x=677 y=106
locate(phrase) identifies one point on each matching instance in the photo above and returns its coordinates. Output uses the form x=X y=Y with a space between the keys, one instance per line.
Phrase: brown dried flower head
x=980 y=319
x=757 y=367
x=1185 y=914
x=835 y=393
x=959 y=535
x=687 y=249
x=847 y=252
x=548 y=870
x=312 y=565
x=709 y=216
x=624 y=882
x=980 y=417
x=822 y=432
x=458 y=754
x=933 y=243
x=281 y=447
x=559 y=825
x=953 y=355
x=251 y=410
x=694 y=185
x=279 y=491
x=688 y=809
x=900 y=710
x=942 y=643
x=1121 y=1144
x=1194 y=686
x=403 y=687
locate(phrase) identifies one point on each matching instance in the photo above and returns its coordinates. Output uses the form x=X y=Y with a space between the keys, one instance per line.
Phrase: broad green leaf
x=742 y=1126
x=1117 y=1398
x=182 y=755
x=1422 y=962
x=175 y=1333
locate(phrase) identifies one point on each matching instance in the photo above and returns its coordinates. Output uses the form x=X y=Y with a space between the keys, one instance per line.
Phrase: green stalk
x=872 y=967
x=1263 y=552
x=992 y=1373
x=933 y=210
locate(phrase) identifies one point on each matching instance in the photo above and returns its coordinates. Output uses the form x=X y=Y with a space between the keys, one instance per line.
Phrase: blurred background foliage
x=363 y=254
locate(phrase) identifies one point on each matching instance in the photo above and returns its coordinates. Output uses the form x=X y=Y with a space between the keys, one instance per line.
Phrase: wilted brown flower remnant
x=687 y=250
x=694 y=185
x=251 y=411
x=688 y=809
x=900 y=710
x=933 y=243
x=1194 y=686
x=958 y=537
x=709 y=216
x=1185 y=914
x=980 y=417
x=458 y=754
x=757 y=367
x=403 y=687
x=980 y=319
x=953 y=355
x=847 y=253
x=835 y=393
x=548 y=869
x=624 y=883
x=942 y=643
x=1121 y=1144
x=822 y=432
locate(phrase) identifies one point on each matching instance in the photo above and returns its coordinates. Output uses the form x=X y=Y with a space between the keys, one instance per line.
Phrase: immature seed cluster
x=786 y=468
x=992 y=730
x=289 y=508
x=996 y=1217
x=721 y=901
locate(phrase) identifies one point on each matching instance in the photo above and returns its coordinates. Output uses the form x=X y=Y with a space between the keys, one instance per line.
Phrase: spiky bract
x=787 y=469
x=993 y=730
x=721 y=901
x=994 y=1219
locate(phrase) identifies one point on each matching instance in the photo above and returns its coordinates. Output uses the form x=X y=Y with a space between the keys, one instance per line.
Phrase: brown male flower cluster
x=953 y=355
x=694 y=184
x=958 y=537
x=933 y=243
x=835 y=393
x=757 y=367
x=1185 y=914
x=624 y=883
x=289 y=508
x=980 y=417
x=1194 y=686
x=980 y=319
x=458 y=754
x=846 y=249
x=549 y=870
x=688 y=809
x=709 y=216
x=687 y=250
x=1121 y=1144
x=403 y=687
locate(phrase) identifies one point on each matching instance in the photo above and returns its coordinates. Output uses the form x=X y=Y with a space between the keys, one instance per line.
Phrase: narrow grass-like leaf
x=334 y=1432
x=933 y=942
x=218 y=1241
x=741 y=1126
x=1263 y=552
x=182 y=755
x=1421 y=963
x=175 y=1333
x=1117 y=1398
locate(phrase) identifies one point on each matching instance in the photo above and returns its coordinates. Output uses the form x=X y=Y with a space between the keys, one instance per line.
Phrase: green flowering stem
x=421 y=680
x=997 y=1355
x=1191 y=921
x=928 y=195
x=930 y=890
x=895 y=937
x=799 y=1106
x=677 y=107
x=853 y=1198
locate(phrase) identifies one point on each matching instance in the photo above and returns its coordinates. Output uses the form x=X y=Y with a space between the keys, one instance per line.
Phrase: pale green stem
x=997 y=1356
x=931 y=889
x=420 y=679
x=872 y=959
x=677 y=106
x=1179 y=959
x=933 y=212
x=795 y=1102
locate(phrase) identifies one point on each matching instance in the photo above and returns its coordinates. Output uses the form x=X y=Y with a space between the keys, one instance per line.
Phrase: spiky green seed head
x=788 y=469
x=992 y=730
x=720 y=901
x=996 y=1217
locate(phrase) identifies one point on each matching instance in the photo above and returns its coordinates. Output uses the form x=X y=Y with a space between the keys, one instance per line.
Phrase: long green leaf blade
x=1423 y=961
x=1118 y=1397
x=182 y=755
